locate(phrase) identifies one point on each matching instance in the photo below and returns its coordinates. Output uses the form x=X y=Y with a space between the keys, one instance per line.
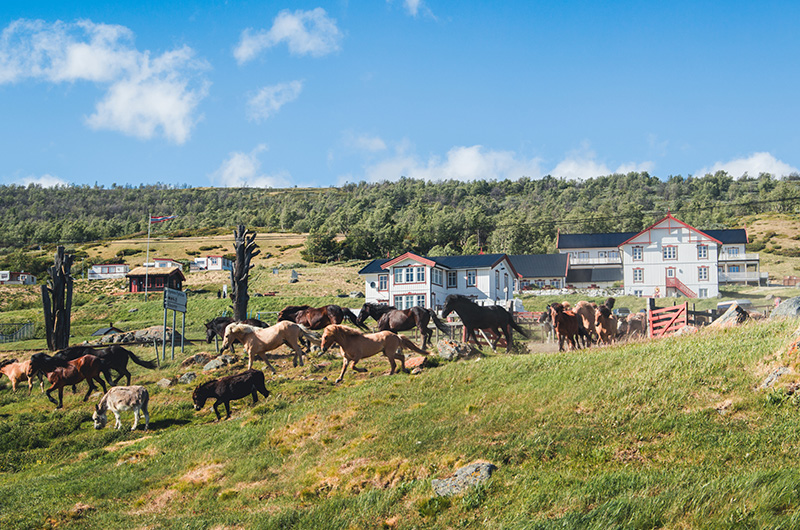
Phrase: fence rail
x=16 y=332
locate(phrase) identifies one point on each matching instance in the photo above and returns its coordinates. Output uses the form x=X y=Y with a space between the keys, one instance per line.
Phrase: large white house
x=412 y=280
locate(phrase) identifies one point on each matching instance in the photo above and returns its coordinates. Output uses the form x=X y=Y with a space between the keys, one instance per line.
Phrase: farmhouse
x=155 y=278
x=17 y=278
x=541 y=270
x=108 y=271
x=211 y=263
x=162 y=263
x=411 y=280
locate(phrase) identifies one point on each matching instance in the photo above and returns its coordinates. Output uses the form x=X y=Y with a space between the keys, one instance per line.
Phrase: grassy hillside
x=666 y=433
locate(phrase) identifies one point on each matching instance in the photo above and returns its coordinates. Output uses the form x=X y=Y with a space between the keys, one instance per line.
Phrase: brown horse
x=356 y=346
x=86 y=368
x=318 y=317
x=586 y=311
x=568 y=326
x=606 y=324
x=258 y=341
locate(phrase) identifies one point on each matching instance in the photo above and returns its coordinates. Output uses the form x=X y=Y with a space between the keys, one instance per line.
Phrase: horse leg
x=345 y=362
x=90 y=390
x=146 y=416
x=216 y=404
x=227 y=410
x=47 y=393
x=255 y=396
x=264 y=358
x=357 y=369
x=118 y=420
x=135 y=419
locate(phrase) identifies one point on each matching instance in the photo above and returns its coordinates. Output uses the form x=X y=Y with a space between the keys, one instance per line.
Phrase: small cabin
x=147 y=279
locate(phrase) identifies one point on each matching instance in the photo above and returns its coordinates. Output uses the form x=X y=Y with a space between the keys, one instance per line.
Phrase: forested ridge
x=449 y=217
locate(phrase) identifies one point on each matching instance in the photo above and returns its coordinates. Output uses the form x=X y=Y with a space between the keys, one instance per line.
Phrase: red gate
x=667 y=320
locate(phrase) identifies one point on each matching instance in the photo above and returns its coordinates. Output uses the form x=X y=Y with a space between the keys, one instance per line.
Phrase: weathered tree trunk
x=246 y=249
x=57 y=301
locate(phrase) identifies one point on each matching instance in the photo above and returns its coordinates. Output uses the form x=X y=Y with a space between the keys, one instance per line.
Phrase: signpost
x=176 y=301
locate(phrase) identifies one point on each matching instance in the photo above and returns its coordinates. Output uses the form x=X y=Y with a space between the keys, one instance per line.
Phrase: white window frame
x=383 y=282
x=472 y=278
x=637 y=253
x=638 y=271
x=669 y=252
x=702 y=251
x=702 y=273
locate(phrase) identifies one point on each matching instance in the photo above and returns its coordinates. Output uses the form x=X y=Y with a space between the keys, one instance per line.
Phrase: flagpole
x=147 y=258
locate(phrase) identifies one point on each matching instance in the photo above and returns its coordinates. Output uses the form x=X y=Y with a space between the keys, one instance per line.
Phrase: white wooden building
x=412 y=280
x=17 y=278
x=211 y=263
x=111 y=271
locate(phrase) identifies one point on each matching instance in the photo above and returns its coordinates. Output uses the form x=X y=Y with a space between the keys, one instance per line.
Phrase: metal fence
x=16 y=332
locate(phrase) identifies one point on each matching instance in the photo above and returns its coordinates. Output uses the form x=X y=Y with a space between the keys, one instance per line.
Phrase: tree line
x=368 y=220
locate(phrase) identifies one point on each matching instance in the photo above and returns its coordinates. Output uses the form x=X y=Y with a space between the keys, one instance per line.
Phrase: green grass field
x=668 y=433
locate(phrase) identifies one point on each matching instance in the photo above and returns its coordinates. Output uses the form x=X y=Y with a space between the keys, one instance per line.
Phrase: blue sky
x=254 y=93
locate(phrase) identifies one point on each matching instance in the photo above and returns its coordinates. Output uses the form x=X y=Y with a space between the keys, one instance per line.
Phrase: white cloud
x=414 y=7
x=364 y=142
x=582 y=164
x=45 y=181
x=460 y=163
x=146 y=95
x=304 y=32
x=752 y=165
x=241 y=170
x=270 y=99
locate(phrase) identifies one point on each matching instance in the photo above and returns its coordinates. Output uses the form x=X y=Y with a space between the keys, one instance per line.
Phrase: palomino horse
x=16 y=372
x=391 y=319
x=216 y=327
x=258 y=341
x=475 y=317
x=86 y=368
x=356 y=346
x=318 y=317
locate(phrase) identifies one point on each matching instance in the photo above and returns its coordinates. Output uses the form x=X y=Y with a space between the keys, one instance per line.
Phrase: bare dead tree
x=57 y=301
x=246 y=249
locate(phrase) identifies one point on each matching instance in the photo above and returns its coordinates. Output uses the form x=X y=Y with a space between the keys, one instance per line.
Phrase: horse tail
x=147 y=364
x=519 y=328
x=405 y=342
x=309 y=335
x=437 y=322
x=349 y=315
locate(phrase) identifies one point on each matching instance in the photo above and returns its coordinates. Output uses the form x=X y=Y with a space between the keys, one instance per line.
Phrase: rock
x=165 y=383
x=133 y=310
x=415 y=362
x=451 y=350
x=417 y=370
x=733 y=316
x=200 y=358
x=774 y=376
x=214 y=364
x=464 y=478
x=228 y=359
x=356 y=294
x=787 y=308
x=187 y=378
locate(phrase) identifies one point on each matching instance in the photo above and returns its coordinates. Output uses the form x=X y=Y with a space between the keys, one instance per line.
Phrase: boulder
x=356 y=294
x=187 y=378
x=787 y=308
x=219 y=362
x=463 y=479
x=417 y=361
x=200 y=358
x=164 y=383
x=451 y=350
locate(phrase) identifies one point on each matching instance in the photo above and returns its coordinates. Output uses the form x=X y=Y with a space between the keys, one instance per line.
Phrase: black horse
x=226 y=389
x=475 y=317
x=114 y=357
x=318 y=317
x=217 y=327
x=390 y=318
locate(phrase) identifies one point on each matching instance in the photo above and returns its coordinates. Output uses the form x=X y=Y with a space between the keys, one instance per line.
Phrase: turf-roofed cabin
x=411 y=280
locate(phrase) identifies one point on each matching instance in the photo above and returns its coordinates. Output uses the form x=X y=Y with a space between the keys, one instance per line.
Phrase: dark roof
x=613 y=274
x=729 y=236
x=540 y=265
x=446 y=262
x=612 y=239
x=106 y=331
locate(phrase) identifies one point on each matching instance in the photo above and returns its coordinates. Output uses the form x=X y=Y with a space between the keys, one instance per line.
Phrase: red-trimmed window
x=638 y=275
x=671 y=272
x=702 y=251
x=637 y=253
x=670 y=252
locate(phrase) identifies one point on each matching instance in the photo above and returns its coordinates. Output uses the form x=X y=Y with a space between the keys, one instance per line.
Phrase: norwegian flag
x=162 y=218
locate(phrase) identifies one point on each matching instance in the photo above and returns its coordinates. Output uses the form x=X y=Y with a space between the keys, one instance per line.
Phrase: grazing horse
x=258 y=341
x=87 y=367
x=216 y=327
x=226 y=389
x=475 y=317
x=397 y=320
x=318 y=317
x=17 y=372
x=568 y=326
x=356 y=346
x=119 y=398
x=607 y=324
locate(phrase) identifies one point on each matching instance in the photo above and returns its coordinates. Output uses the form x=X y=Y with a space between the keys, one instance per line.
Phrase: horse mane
x=338 y=328
x=240 y=327
x=604 y=310
x=7 y=362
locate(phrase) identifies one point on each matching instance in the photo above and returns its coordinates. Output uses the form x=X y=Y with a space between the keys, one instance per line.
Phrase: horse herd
x=588 y=323
x=295 y=328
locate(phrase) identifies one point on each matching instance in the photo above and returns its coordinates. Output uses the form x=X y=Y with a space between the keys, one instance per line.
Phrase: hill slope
x=666 y=433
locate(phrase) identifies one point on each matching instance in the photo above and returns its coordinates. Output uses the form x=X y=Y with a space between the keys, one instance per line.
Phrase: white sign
x=175 y=300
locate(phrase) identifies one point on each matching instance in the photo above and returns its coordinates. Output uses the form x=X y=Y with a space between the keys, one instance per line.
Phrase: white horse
x=119 y=398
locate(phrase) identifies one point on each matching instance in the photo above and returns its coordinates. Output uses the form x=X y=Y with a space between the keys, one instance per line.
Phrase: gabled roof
x=612 y=239
x=155 y=271
x=475 y=261
x=541 y=265
x=669 y=217
x=731 y=236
